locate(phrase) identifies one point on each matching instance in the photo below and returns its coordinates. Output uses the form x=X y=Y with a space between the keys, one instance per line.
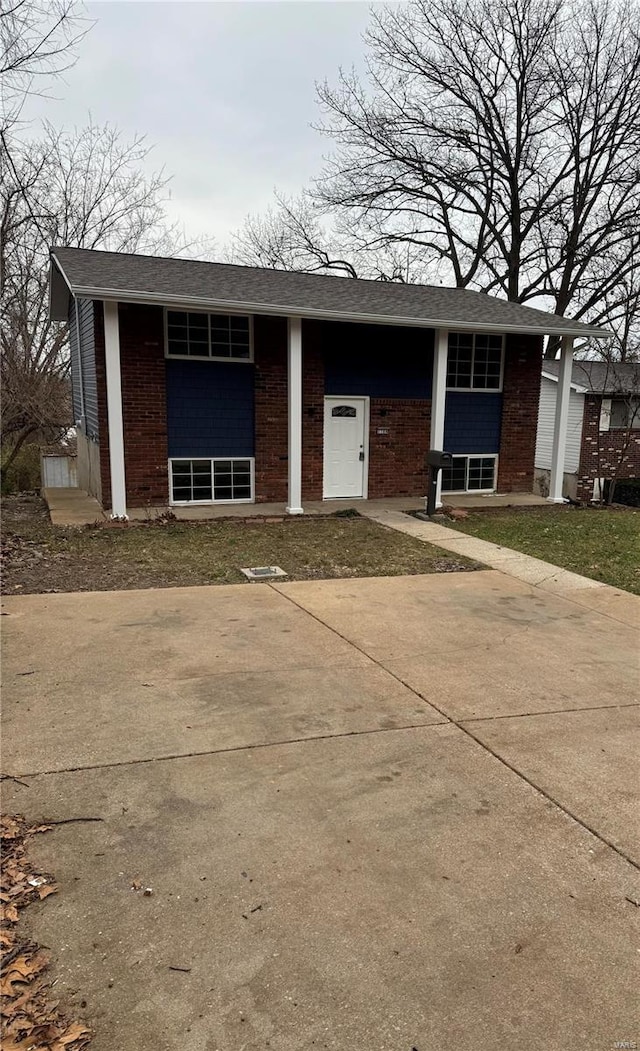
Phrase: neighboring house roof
x=601 y=377
x=191 y=284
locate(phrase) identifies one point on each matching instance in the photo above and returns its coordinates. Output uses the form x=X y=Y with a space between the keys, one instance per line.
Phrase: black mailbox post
x=436 y=460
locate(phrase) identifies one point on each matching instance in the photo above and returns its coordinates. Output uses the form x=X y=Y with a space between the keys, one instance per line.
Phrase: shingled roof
x=601 y=377
x=221 y=286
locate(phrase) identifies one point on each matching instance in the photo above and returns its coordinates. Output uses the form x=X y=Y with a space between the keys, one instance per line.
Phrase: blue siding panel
x=83 y=365
x=210 y=408
x=472 y=422
x=377 y=360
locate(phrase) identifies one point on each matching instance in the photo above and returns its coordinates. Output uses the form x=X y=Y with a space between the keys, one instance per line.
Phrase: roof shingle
x=97 y=274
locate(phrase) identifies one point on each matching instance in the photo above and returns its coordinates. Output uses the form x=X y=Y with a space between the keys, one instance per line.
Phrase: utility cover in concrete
x=263 y=572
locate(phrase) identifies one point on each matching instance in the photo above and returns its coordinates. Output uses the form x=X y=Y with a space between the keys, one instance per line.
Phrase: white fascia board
x=58 y=302
x=574 y=386
x=282 y=310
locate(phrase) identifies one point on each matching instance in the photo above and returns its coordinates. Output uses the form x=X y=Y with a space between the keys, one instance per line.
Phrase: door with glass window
x=345 y=448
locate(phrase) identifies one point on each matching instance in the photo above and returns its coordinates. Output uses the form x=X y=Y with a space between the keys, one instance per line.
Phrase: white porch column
x=562 y=418
x=294 y=358
x=114 y=410
x=438 y=396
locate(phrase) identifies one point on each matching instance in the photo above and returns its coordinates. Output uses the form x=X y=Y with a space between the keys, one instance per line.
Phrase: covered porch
x=295 y=405
x=75 y=507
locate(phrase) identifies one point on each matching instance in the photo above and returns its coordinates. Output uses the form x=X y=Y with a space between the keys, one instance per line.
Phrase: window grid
x=211 y=336
x=625 y=414
x=217 y=480
x=469 y=474
x=474 y=362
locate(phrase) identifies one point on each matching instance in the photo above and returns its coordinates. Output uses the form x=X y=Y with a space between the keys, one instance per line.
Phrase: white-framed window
x=624 y=414
x=212 y=337
x=218 y=480
x=470 y=474
x=475 y=361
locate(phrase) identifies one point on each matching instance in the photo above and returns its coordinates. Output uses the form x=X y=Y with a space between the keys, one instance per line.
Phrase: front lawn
x=602 y=543
x=39 y=557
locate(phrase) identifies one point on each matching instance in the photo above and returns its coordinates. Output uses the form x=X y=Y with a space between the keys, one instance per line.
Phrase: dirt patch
x=39 y=557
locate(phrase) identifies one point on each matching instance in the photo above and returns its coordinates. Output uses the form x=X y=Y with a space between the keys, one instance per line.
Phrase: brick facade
x=520 y=398
x=604 y=454
x=399 y=433
x=271 y=439
x=144 y=408
x=399 y=439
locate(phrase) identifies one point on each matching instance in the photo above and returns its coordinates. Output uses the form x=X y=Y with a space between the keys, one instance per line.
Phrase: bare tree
x=497 y=142
x=501 y=136
x=38 y=42
x=82 y=189
x=296 y=234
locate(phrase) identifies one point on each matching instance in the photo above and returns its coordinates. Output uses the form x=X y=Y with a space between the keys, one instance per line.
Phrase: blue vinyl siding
x=210 y=408
x=472 y=422
x=84 y=385
x=377 y=360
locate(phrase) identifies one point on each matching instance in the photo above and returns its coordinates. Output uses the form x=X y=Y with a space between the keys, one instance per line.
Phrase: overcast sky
x=224 y=91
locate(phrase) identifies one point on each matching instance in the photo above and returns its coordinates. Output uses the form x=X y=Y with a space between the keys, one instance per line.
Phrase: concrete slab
x=544 y=575
x=621 y=605
x=397 y=886
x=72 y=507
x=387 y=892
x=481 y=644
x=159 y=635
x=583 y=760
x=167 y=717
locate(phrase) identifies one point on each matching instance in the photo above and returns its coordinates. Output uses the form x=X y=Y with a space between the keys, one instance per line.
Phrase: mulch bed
x=31 y=1018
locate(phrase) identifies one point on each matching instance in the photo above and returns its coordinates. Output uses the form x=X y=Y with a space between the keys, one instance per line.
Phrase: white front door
x=345 y=452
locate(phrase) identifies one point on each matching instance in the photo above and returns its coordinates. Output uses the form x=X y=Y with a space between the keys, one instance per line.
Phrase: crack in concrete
x=496 y=755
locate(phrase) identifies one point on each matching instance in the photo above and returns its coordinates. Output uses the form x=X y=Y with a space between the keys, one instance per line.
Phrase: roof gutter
x=574 y=386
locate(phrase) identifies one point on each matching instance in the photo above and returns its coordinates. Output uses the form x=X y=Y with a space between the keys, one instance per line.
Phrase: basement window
x=216 y=337
x=474 y=362
x=211 y=481
x=469 y=474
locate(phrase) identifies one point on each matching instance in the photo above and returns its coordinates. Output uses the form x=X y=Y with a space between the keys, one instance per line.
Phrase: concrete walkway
x=544 y=575
x=71 y=507
x=381 y=814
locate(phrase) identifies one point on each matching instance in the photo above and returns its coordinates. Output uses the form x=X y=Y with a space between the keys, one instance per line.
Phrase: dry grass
x=40 y=557
x=602 y=543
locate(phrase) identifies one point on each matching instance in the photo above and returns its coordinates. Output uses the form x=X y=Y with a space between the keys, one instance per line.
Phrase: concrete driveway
x=376 y=815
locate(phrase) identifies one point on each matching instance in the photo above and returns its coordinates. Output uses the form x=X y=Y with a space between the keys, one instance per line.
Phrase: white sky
x=224 y=91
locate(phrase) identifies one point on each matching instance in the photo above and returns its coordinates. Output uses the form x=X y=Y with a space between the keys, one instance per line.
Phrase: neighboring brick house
x=603 y=434
x=200 y=383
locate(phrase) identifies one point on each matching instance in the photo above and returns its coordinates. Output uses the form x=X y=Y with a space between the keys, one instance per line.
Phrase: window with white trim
x=469 y=474
x=214 y=336
x=474 y=362
x=210 y=481
x=625 y=414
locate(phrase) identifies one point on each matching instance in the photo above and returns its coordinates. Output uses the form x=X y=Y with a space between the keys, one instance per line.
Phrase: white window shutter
x=605 y=414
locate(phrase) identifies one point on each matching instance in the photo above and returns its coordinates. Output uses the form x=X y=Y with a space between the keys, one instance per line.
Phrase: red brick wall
x=144 y=404
x=144 y=408
x=604 y=454
x=271 y=440
x=397 y=456
x=520 y=397
x=399 y=427
x=312 y=411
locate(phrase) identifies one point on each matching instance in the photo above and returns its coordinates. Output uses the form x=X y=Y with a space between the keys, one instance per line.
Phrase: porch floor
x=76 y=507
